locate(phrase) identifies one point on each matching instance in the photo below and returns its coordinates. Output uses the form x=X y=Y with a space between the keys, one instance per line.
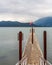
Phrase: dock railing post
x=45 y=45
x=20 y=38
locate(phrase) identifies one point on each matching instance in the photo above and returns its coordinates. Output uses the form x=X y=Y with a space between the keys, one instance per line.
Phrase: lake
x=9 y=45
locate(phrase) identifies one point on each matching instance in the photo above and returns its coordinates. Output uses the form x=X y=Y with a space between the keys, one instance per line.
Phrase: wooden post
x=32 y=35
x=20 y=45
x=45 y=45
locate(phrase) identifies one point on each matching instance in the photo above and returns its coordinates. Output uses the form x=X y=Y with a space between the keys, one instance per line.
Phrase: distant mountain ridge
x=13 y=24
x=44 y=22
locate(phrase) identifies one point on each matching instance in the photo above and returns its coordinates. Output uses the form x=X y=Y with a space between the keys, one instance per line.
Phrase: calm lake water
x=9 y=45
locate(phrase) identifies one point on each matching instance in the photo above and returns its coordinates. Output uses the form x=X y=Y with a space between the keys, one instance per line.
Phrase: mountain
x=14 y=24
x=44 y=22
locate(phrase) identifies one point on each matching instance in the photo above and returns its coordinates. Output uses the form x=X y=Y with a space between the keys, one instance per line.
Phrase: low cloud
x=25 y=10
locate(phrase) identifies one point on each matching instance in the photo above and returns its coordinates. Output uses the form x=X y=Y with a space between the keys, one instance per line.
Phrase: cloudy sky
x=25 y=10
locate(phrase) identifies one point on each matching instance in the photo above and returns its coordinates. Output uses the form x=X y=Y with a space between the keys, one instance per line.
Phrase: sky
x=25 y=10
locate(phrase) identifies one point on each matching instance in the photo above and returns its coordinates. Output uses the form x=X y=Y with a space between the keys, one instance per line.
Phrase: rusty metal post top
x=20 y=35
x=20 y=32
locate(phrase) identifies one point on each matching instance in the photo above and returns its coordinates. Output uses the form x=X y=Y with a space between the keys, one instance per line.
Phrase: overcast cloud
x=25 y=10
